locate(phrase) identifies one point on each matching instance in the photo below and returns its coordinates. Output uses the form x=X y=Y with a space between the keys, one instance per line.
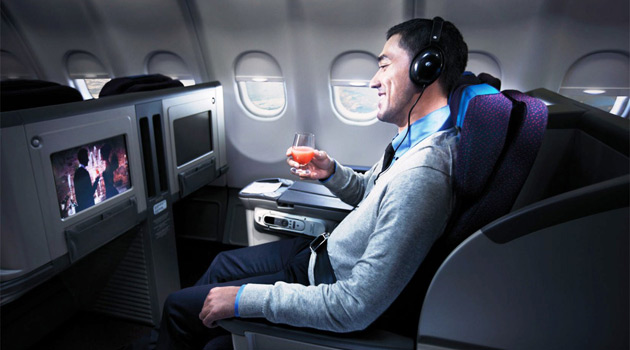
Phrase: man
x=402 y=205
x=84 y=188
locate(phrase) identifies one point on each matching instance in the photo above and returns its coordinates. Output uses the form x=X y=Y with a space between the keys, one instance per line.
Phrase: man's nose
x=375 y=82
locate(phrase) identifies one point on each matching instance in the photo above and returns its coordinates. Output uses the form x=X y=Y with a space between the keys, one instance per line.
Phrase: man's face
x=395 y=89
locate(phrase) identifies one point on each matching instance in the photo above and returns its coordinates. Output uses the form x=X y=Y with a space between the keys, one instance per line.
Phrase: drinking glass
x=303 y=150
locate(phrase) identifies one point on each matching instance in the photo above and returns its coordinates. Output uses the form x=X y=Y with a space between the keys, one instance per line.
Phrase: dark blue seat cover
x=25 y=93
x=137 y=83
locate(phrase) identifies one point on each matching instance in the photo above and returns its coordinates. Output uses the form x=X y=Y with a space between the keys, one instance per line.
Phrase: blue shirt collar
x=421 y=129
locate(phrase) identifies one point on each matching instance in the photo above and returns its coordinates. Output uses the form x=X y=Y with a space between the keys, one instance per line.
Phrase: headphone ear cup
x=426 y=66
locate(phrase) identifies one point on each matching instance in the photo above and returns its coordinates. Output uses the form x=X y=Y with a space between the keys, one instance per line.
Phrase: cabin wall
x=304 y=39
x=532 y=42
x=535 y=42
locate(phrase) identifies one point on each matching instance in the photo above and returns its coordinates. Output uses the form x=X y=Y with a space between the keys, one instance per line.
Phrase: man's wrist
x=334 y=169
x=236 y=301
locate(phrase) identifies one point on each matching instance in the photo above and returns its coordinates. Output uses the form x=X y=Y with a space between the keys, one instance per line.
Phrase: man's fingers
x=209 y=321
x=320 y=154
x=219 y=304
x=207 y=315
x=206 y=310
x=293 y=163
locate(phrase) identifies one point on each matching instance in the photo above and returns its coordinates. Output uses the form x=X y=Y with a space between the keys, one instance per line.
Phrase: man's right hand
x=319 y=168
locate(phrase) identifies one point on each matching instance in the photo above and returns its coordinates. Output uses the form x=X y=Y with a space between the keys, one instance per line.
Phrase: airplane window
x=171 y=65
x=356 y=103
x=12 y=68
x=186 y=82
x=353 y=100
x=613 y=104
x=600 y=80
x=263 y=98
x=87 y=73
x=90 y=88
x=482 y=62
x=261 y=86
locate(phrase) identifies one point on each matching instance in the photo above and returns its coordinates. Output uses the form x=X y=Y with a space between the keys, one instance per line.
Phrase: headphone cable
x=409 y=119
x=407 y=132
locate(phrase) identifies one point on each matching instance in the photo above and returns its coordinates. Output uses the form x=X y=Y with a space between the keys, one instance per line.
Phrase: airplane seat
x=137 y=83
x=500 y=134
x=487 y=198
x=551 y=275
x=27 y=93
x=583 y=146
x=490 y=80
x=469 y=78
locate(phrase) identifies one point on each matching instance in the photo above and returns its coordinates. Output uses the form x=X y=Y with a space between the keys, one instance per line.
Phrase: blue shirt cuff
x=238 y=297
x=331 y=175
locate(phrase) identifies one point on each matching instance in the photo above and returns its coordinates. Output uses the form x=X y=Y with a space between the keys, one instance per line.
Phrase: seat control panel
x=277 y=221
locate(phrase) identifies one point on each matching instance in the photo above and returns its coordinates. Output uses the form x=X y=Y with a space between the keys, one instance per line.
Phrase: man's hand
x=219 y=304
x=320 y=167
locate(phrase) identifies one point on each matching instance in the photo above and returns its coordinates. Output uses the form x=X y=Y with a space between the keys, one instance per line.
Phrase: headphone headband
x=427 y=65
x=436 y=30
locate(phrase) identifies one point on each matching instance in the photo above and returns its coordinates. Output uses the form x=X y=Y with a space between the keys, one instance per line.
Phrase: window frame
x=169 y=64
x=81 y=85
x=350 y=69
x=250 y=107
x=580 y=82
x=339 y=108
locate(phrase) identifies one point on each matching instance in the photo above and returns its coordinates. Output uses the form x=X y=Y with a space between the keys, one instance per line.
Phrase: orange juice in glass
x=303 y=149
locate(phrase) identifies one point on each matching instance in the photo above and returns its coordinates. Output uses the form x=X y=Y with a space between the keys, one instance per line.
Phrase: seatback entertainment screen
x=90 y=174
x=193 y=137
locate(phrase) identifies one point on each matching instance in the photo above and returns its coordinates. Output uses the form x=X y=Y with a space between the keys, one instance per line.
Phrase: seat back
x=500 y=134
x=487 y=188
x=137 y=83
x=26 y=93
x=552 y=275
x=539 y=270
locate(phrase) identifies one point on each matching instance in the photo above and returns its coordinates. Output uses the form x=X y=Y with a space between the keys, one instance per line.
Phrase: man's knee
x=180 y=319
x=219 y=270
x=184 y=304
x=172 y=306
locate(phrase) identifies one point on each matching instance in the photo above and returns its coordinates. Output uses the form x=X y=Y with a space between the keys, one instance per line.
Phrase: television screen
x=193 y=137
x=90 y=174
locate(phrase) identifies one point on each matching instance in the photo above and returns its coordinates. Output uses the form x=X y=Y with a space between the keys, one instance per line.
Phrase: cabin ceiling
x=524 y=35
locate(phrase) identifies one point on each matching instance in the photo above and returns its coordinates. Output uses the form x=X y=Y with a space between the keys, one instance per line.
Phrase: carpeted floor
x=91 y=331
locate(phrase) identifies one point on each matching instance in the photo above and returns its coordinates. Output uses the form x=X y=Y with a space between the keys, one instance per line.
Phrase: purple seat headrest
x=482 y=138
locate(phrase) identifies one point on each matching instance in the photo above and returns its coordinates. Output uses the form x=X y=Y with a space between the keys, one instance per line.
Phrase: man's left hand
x=219 y=304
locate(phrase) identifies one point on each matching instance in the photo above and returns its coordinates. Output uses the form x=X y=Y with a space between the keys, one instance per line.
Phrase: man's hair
x=415 y=37
x=82 y=155
x=105 y=151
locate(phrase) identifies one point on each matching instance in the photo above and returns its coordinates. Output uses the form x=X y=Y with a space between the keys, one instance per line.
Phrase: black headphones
x=427 y=65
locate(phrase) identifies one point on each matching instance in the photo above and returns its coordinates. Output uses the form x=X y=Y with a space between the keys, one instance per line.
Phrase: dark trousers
x=181 y=328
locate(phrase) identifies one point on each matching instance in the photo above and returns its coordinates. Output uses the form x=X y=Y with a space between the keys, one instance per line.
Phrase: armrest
x=367 y=339
x=555 y=271
x=589 y=200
